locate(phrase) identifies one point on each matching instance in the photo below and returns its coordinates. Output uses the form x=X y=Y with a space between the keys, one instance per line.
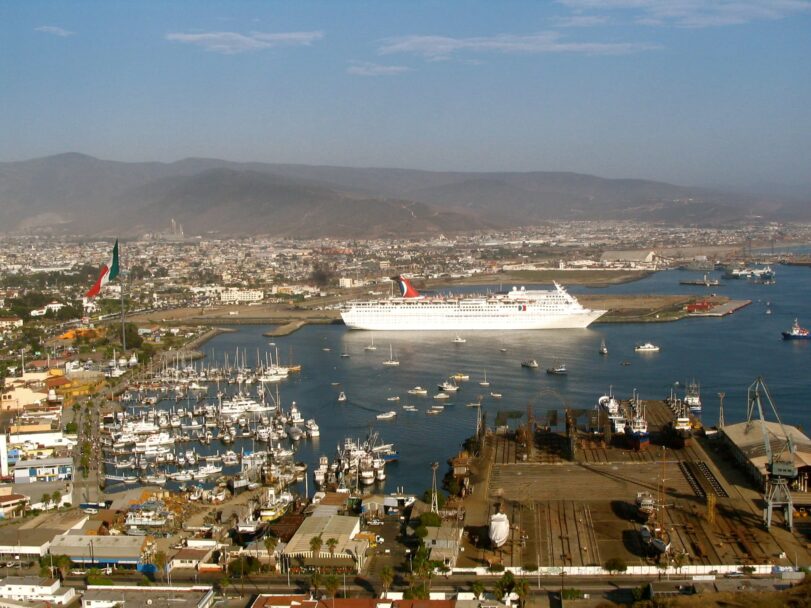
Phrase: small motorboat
x=529 y=363
x=442 y=396
x=341 y=397
x=395 y=398
x=459 y=340
x=603 y=348
x=387 y=415
x=558 y=370
x=418 y=390
x=495 y=395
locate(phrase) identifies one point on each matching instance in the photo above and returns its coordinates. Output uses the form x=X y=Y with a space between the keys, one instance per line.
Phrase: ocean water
x=725 y=354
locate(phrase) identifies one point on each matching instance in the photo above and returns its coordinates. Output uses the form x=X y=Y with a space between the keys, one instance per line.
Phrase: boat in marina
x=442 y=396
x=646 y=347
x=518 y=309
x=796 y=332
x=448 y=386
x=387 y=415
x=391 y=361
x=529 y=363
x=460 y=377
x=495 y=395
x=485 y=383
x=312 y=428
x=371 y=346
x=418 y=390
x=394 y=398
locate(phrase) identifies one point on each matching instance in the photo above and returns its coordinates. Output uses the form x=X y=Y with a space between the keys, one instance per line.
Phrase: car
x=379 y=539
x=91 y=511
x=375 y=522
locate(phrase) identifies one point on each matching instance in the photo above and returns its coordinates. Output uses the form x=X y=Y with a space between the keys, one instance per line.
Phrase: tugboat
x=797 y=333
x=692 y=398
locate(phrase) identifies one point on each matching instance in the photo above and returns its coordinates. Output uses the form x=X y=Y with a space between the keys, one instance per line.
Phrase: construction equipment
x=779 y=456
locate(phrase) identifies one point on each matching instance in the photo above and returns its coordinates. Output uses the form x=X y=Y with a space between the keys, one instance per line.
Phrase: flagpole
x=123 y=325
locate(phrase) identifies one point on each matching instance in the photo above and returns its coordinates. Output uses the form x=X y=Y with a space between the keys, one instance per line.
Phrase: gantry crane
x=779 y=458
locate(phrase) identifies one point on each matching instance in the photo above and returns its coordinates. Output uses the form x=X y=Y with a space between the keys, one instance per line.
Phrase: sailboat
x=603 y=348
x=371 y=345
x=484 y=382
x=391 y=361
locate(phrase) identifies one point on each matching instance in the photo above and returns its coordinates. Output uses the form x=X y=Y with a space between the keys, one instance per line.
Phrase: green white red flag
x=108 y=272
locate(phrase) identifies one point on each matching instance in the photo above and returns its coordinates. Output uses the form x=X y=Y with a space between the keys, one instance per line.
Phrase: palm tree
x=332 y=543
x=331 y=586
x=224 y=582
x=56 y=497
x=46 y=499
x=316 y=543
x=477 y=587
x=160 y=562
x=521 y=589
x=386 y=578
x=315 y=583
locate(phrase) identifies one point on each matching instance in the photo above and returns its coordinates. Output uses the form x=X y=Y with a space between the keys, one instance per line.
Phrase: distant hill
x=80 y=194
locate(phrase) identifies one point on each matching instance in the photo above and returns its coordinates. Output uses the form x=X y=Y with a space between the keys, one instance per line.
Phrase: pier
x=723 y=309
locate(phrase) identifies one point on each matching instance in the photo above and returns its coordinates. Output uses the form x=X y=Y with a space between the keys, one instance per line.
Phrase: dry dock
x=580 y=510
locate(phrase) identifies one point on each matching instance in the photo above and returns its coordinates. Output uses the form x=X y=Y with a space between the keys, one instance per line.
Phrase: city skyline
x=700 y=93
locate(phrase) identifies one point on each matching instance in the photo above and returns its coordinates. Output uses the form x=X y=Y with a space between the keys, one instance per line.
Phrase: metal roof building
x=102 y=550
x=348 y=552
x=747 y=444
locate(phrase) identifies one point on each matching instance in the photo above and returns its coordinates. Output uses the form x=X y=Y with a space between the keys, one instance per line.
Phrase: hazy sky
x=691 y=91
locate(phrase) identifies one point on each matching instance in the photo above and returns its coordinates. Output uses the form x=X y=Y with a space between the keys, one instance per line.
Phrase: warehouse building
x=100 y=550
x=129 y=596
x=348 y=553
x=746 y=442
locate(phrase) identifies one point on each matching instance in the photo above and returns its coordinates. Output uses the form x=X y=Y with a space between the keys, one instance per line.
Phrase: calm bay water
x=724 y=354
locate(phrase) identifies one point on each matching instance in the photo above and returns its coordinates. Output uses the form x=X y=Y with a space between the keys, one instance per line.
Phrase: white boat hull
x=407 y=320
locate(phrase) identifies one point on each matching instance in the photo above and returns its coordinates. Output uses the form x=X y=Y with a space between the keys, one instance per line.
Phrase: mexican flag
x=108 y=272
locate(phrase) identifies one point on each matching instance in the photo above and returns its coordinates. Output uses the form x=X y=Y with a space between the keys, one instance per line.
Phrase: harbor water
x=721 y=354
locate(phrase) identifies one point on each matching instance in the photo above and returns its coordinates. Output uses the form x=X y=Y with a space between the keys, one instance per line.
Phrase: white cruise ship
x=516 y=309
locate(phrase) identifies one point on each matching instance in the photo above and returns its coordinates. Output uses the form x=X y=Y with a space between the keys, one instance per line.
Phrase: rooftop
x=43 y=462
x=133 y=597
x=749 y=440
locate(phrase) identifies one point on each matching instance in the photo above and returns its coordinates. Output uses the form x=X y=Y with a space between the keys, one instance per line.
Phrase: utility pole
x=434 y=496
x=721 y=396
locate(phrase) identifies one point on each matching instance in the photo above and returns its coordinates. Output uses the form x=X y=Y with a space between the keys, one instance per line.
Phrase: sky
x=695 y=92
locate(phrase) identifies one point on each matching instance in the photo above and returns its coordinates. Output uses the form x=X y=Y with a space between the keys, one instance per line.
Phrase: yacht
x=495 y=395
x=387 y=415
x=647 y=347
x=312 y=428
x=418 y=390
x=391 y=361
x=442 y=396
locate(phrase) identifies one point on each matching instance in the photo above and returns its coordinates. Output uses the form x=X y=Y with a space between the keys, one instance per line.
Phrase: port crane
x=779 y=455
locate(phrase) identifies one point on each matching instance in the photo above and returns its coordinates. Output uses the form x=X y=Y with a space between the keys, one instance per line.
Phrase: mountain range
x=79 y=194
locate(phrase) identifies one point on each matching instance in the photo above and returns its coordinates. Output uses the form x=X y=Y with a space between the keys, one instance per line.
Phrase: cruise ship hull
x=403 y=319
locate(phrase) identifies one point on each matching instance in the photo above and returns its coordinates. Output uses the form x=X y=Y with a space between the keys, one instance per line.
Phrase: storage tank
x=499 y=529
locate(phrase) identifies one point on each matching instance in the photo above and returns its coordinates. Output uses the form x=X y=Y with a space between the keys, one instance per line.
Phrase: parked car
x=375 y=522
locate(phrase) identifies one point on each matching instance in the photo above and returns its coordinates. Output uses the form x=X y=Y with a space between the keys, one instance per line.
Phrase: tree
x=46 y=499
x=270 y=545
x=56 y=497
x=315 y=583
x=615 y=565
x=477 y=587
x=429 y=519
x=63 y=564
x=332 y=543
x=316 y=542
x=521 y=589
x=331 y=586
x=160 y=561
x=224 y=583
x=386 y=577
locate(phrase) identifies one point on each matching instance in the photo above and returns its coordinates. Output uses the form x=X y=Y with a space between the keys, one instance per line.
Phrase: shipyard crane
x=779 y=458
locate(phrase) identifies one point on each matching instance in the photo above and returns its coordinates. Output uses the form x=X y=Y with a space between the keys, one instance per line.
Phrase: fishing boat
x=418 y=390
x=386 y=415
x=603 y=348
x=557 y=370
x=448 y=386
x=692 y=397
x=529 y=363
x=391 y=361
x=646 y=347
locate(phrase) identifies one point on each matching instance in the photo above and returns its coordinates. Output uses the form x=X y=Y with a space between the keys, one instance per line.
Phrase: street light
x=410 y=563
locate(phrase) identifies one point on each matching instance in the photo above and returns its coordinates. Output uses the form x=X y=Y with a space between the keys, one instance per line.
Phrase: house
x=11 y=504
x=7 y=323
x=190 y=557
x=444 y=542
x=35 y=589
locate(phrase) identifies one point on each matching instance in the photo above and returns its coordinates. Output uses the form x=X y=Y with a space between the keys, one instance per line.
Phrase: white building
x=35 y=589
x=233 y=295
